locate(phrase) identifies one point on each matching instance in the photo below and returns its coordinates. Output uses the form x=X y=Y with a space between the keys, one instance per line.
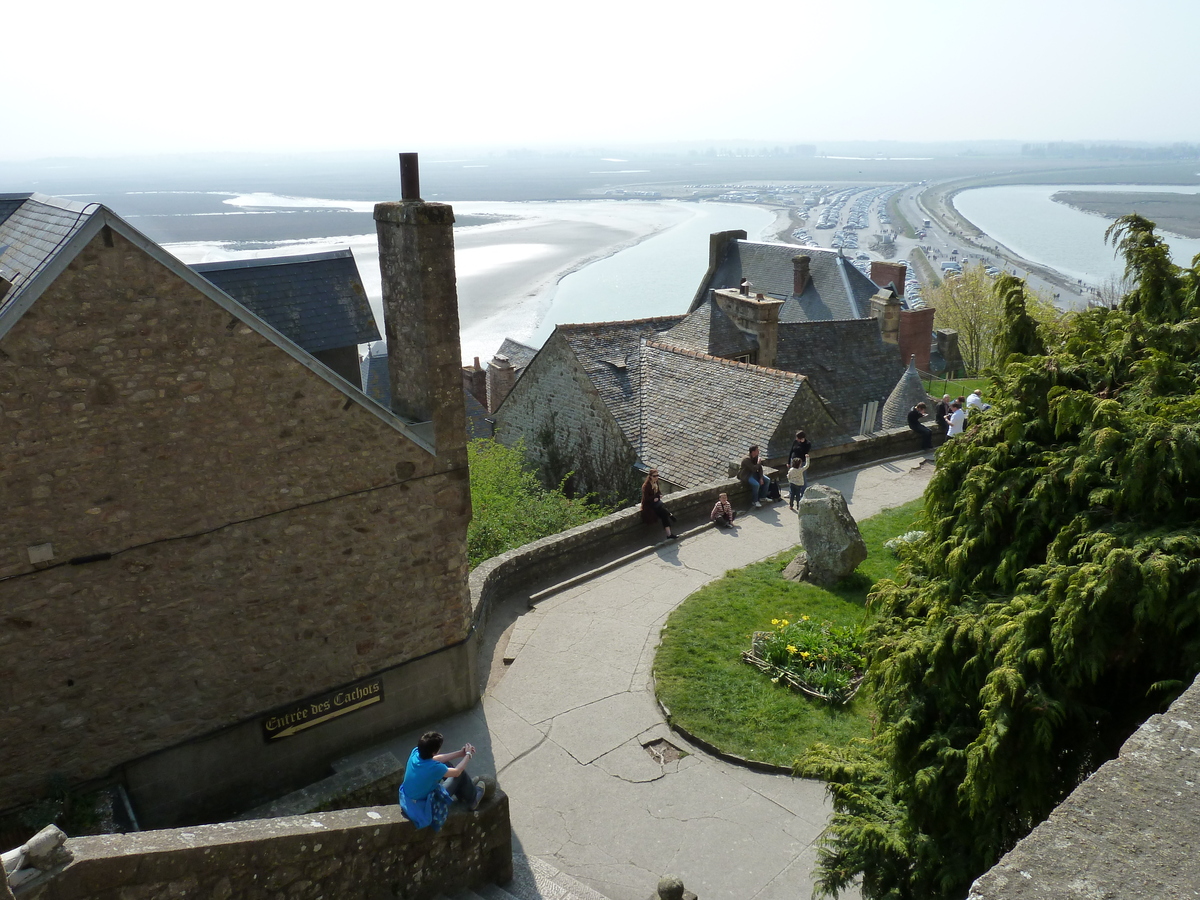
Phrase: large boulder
x=833 y=546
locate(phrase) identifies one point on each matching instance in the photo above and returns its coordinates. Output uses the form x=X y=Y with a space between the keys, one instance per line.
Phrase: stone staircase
x=533 y=879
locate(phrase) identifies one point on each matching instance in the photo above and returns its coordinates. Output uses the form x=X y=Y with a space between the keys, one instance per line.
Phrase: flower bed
x=823 y=661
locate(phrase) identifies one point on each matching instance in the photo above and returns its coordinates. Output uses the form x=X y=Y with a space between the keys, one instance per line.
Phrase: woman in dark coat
x=653 y=506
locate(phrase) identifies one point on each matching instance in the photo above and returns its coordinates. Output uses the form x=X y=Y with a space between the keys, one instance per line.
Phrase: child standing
x=795 y=477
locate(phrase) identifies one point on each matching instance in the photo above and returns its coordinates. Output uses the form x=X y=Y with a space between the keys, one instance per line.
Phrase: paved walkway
x=564 y=728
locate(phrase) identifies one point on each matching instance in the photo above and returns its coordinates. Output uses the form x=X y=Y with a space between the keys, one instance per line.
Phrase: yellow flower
x=804 y=618
x=791 y=649
x=804 y=655
x=774 y=621
x=783 y=623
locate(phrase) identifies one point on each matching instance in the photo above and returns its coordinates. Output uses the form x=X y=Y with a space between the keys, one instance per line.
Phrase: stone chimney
x=800 y=276
x=885 y=307
x=501 y=376
x=475 y=382
x=885 y=273
x=420 y=310
x=758 y=316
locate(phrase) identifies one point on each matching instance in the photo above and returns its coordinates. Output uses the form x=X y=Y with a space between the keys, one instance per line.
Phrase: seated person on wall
x=722 y=512
x=751 y=474
x=424 y=797
x=915 y=415
x=653 y=506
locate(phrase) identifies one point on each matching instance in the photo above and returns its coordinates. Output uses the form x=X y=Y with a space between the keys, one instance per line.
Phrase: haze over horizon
x=139 y=78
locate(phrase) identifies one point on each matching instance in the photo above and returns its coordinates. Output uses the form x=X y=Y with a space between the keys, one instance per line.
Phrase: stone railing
x=357 y=853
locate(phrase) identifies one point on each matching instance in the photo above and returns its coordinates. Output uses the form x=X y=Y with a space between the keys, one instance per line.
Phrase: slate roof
x=33 y=228
x=520 y=355
x=700 y=412
x=908 y=392
x=608 y=353
x=377 y=385
x=836 y=289
x=316 y=299
x=709 y=330
x=848 y=363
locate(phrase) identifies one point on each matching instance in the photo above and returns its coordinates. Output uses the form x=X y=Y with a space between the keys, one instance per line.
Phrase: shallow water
x=1025 y=219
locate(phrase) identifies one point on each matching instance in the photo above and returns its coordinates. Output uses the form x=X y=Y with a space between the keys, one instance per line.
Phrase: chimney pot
x=410 y=177
x=800 y=274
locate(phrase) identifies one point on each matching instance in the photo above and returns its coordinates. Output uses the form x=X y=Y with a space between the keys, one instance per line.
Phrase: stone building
x=606 y=402
x=221 y=565
x=809 y=342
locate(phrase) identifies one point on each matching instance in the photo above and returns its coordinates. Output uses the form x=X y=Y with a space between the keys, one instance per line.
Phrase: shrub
x=510 y=506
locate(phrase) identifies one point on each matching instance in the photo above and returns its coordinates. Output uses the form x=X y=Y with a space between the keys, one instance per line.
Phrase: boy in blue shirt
x=424 y=798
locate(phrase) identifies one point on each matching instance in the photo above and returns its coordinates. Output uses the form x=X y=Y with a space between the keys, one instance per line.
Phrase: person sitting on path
x=424 y=797
x=751 y=475
x=800 y=447
x=653 y=506
x=796 y=483
x=915 y=415
x=722 y=512
x=958 y=419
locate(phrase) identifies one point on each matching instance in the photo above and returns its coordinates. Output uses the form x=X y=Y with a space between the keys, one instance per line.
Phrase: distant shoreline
x=1177 y=214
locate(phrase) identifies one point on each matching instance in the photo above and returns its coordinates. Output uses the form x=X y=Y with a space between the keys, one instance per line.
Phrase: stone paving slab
x=563 y=728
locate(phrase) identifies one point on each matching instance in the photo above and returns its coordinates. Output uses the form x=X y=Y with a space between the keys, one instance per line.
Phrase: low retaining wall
x=536 y=561
x=362 y=853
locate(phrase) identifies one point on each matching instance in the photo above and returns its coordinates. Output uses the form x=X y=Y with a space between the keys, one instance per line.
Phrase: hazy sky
x=129 y=76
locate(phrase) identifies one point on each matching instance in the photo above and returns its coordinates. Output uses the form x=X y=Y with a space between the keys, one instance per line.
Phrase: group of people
x=950 y=416
x=750 y=473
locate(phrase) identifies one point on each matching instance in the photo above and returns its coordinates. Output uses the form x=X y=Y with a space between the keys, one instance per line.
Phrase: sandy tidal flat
x=507 y=269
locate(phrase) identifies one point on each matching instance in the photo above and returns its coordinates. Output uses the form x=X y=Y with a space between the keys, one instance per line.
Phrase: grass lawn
x=712 y=694
x=960 y=387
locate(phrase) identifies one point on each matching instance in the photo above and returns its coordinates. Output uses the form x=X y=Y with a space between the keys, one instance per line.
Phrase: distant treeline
x=1068 y=150
x=790 y=150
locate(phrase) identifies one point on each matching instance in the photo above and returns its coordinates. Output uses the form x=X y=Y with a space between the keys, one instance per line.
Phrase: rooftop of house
x=608 y=352
x=33 y=229
x=315 y=299
x=835 y=289
x=376 y=384
x=848 y=362
x=700 y=413
x=708 y=329
x=518 y=354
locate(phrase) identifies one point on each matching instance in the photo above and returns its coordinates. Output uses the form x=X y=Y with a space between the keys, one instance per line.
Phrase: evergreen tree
x=1054 y=603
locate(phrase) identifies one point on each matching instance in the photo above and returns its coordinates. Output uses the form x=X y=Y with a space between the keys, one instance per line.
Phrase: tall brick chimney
x=475 y=382
x=885 y=307
x=888 y=273
x=420 y=310
x=800 y=276
x=501 y=376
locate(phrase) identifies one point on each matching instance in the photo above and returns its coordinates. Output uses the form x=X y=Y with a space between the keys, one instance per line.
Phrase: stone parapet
x=368 y=853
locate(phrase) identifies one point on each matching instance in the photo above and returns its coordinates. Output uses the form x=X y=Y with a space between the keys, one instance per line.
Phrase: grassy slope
x=714 y=695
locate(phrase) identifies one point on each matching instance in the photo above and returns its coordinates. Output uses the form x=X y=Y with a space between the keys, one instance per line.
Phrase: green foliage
x=700 y=677
x=974 y=305
x=817 y=657
x=510 y=506
x=1053 y=604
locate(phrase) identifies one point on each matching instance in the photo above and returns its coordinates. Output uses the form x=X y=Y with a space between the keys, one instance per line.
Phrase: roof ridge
x=572 y=325
x=697 y=354
x=263 y=261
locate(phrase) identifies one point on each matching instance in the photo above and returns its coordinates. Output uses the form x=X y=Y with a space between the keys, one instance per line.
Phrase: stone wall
x=257 y=535
x=566 y=427
x=361 y=853
x=1131 y=830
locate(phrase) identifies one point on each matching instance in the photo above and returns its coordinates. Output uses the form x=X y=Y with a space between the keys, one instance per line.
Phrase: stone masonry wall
x=555 y=397
x=361 y=853
x=270 y=536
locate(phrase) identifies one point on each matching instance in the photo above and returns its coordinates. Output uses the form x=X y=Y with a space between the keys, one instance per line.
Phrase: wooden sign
x=290 y=720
